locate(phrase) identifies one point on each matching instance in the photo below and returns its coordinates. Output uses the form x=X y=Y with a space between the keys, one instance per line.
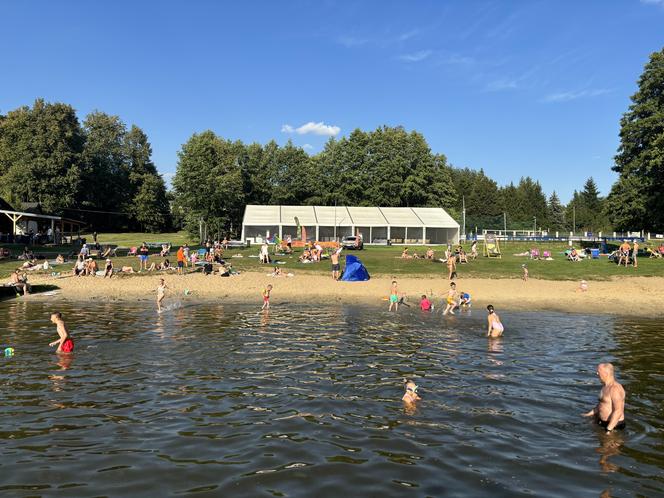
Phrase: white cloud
x=502 y=84
x=307 y=147
x=313 y=128
x=408 y=35
x=654 y=2
x=416 y=56
x=567 y=96
x=352 y=41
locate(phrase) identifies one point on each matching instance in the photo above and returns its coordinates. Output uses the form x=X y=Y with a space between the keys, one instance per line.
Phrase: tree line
x=97 y=171
x=388 y=166
x=92 y=169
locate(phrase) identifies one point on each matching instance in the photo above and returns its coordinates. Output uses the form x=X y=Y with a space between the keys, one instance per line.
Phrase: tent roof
x=346 y=216
x=330 y=216
x=305 y=215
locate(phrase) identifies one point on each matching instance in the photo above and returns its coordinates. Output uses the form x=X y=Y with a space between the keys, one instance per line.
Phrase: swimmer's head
x=161 y=280
x=394 y=282
x=424 y=296
x=410 y=386
x=269 y=286
x=490 y=309
x=56 y=316
x=453 y=285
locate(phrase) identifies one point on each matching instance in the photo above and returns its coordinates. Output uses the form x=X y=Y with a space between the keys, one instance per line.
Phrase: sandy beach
x=624 y=296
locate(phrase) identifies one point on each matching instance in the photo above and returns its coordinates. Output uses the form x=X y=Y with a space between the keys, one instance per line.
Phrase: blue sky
x=515 y=87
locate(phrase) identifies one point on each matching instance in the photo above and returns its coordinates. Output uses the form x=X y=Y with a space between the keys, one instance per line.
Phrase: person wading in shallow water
x=610 y=410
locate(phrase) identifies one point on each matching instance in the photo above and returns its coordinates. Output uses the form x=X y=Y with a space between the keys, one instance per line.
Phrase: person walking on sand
x=65 y=343
x=610 y=410
x=266 y=297
x=161 y=294
x=451 y=266
x=394 y=296
x=335 y=264
x=524 y=275
x=496 y=328
x=181 y=260
x=451 y=299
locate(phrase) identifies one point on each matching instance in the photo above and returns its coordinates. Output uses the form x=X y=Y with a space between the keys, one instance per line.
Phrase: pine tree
x=556 y=213
x=636 y=200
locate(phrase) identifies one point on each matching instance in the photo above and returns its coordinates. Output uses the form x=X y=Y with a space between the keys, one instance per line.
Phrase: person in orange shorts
x=65 y=343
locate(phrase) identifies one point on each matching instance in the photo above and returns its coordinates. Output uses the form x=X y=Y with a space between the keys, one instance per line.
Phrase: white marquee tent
x=399 y=225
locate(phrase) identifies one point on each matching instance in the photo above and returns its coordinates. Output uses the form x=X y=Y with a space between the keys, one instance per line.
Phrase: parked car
x=352 y=242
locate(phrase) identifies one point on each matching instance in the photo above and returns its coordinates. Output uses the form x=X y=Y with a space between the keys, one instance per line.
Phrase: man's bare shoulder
x=617 y=390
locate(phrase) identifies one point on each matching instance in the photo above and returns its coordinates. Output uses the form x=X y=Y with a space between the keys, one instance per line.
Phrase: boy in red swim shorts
x=65 y=343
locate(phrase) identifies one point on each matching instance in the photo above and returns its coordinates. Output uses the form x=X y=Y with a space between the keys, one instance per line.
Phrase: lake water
x=212 y=400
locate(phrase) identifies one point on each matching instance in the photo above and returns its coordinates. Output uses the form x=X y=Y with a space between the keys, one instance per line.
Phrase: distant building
x=376 y=225
x=17 y=226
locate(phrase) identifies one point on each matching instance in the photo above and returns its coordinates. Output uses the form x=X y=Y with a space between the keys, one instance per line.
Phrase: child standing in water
x=410 y=397
x=496 y=328
x=161 y=293
x=451 y=299
x=425 y=304
x=394 y=296
x=266 y=297
x=65 y=342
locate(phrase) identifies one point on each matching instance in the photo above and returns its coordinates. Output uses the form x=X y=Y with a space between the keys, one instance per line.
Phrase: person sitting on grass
x=165 y=250
x=463 y=258
x=429 y=253
x=415 y=255
x=573 y=255
x=404 y=254
x=60 y=259
x=276 y=271
x=473 y=250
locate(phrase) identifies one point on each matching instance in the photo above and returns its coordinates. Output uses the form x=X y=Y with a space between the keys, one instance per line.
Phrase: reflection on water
x=217 y=400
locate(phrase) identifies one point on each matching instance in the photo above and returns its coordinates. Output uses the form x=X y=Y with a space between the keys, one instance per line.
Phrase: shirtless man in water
x=610 y=410
x=65 y=342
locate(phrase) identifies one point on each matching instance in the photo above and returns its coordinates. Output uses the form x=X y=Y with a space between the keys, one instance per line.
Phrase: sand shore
x=624 y=296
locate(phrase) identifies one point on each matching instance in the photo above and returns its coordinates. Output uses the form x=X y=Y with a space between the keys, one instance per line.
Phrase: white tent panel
x=261 y=215
x=331 y=215
x=435 y=218
x=401 y=217
x=305 y=214
x=367 y=216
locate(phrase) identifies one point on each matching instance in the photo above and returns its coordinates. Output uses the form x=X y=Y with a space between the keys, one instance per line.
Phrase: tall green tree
x=106 y=186
x=40 y=156
x=556 y=213
x=208 y=182
x=148 y=202
x=636 y=200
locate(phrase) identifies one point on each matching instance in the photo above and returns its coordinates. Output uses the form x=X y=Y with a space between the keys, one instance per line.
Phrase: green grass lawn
x=382 y=260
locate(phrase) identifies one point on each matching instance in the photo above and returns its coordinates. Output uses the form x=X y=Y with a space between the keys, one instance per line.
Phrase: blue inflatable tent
x=355 y=271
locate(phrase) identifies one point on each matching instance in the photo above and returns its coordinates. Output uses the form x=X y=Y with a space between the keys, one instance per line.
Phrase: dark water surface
x=211 y=400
